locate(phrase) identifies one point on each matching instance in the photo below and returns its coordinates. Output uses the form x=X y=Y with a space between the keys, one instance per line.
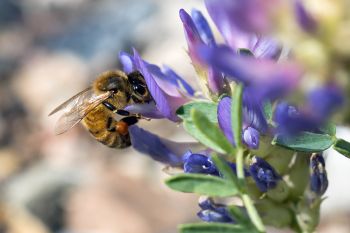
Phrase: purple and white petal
x=203 y=27
x=127 y=62
x=154 y=146
x=165 y=103
x=224 y=118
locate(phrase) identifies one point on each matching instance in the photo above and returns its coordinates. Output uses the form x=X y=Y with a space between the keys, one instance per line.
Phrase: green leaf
x=305 y=142
x=214 y=228
x=236 y=115
x=343 y=147
x=329 y=128
x=208 y=108
x=208 y=133
x=239 y=214
x=268 y=110
x=201 y=184
x=225 y=170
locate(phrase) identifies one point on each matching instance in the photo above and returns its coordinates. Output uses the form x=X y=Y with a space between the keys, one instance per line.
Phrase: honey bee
x=96 y=107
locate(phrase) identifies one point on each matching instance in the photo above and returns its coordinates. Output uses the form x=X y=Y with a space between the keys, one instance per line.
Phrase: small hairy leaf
x=225 y=170
x=201 y=184
x=343 y=147
x=207 y=133
x=208 y=108
x=214 y=228
x=305 y=142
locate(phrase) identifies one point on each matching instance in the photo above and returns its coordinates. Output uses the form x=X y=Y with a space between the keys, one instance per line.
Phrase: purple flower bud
x=263 y=174
x=318 y=174
x=251 y=138
x=212 y=212
x=198 y=163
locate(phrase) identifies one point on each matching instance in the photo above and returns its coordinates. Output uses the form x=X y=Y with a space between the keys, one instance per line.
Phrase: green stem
x=247 y=201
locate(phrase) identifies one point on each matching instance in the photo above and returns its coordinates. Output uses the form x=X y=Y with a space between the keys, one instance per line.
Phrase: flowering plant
x=261 y=134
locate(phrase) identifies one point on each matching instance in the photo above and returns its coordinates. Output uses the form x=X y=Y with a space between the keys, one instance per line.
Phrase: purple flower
x=267 y=74
x=198 y=32
x=166 y=87
x=291 y=121
x=157 y=148
x=212 y=212
x=198 y=163
x=320 y=105
x=251 y=137
x=202 y=27
x=201 y=163
x=305 y=20
x=322 y=102
x=237 y=20
x=318 y=174
x=253 y=120
x=263 y=174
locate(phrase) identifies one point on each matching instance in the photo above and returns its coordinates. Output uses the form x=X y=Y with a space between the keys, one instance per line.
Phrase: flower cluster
x=260 y=132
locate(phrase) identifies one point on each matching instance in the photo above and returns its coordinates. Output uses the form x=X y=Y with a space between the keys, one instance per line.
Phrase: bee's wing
x=68 y=104
x=77 y=107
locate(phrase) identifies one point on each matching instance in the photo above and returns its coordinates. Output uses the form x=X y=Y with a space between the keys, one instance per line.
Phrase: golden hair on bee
x=97 y=106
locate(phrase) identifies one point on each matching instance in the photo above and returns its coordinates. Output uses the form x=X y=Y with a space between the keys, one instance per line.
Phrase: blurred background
x=49 y=51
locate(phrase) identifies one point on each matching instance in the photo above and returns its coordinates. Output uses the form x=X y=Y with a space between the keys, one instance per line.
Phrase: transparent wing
x=68 y=104
x=76 y=108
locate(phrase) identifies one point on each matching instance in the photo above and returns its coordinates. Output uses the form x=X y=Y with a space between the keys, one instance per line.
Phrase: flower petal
x=147 y=110
x=203 y=27
x=305 y=20
x=165 y=103
x=224 y=118
x=251 y=138
x=127 y=62
x=153 y=146
x=263 y=174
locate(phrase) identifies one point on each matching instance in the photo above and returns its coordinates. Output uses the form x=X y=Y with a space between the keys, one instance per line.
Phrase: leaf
x=236 y=115
x=214 y=228
x=201 y=184
x=225 y=170
x=343 y=147
x=239 y=214
x=208 y=133
x=268 y=110
x=329 y=128
x=305 y=142
x=208 y=108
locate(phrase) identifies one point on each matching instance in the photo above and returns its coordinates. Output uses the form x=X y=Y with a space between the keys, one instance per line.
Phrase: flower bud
x=318 y=175
x=198 y=163
x=212 y=212
x=251 y=138
x=264 y=174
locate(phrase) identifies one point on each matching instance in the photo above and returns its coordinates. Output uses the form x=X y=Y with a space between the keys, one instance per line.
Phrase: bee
x=96 y=107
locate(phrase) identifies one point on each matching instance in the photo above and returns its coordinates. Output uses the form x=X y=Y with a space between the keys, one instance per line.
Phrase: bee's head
x=139 y=90
x=111 y=81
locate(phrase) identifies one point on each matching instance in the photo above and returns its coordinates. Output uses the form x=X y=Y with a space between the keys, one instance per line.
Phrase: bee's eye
x=140 y=89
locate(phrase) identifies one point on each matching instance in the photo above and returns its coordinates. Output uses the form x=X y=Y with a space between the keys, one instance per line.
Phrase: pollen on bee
x=122 y=127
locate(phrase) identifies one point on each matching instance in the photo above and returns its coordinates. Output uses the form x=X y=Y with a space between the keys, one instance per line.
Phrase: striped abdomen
x=102 y=126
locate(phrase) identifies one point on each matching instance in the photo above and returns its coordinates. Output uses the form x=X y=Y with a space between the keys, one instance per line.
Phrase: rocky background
x=49 y=51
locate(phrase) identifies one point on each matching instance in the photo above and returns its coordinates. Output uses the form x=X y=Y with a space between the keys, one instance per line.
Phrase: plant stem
x=247 y=201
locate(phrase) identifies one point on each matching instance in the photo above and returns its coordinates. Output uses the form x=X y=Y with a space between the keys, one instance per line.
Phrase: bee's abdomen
x=100 y=124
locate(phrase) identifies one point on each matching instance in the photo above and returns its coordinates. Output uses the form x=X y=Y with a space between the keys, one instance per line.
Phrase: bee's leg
x=126 y=113
x=130 y=120
x=110 y=124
